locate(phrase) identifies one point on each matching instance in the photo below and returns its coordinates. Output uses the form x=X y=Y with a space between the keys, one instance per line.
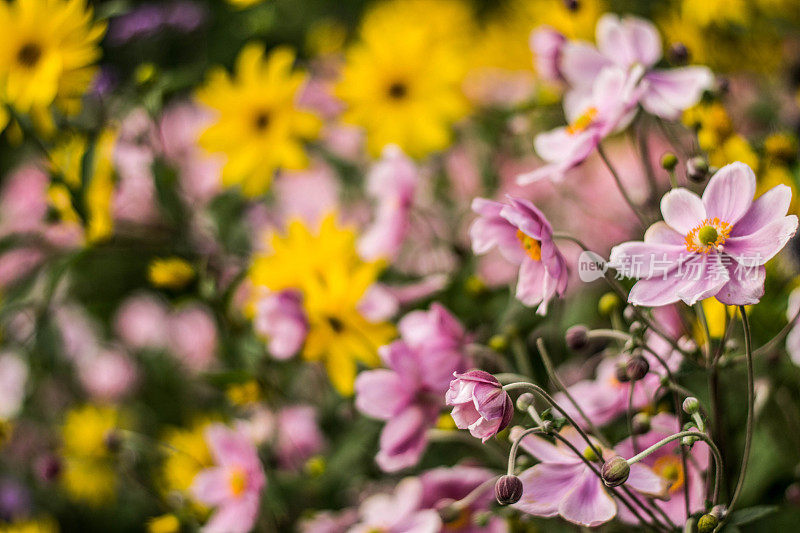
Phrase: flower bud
x=707 y=523
x=622 y=374
x=498 y=343
x=615 y=471
x=636 y=328
x=669 y=161
x=480 y=404
x=640 y=423
x=629 y=313
x=608 y=303
x=508 y=490
x=48 y=467
x=678 y=54
x=691 y=405
x=697 y=169
x=577 y=338
x=524 y=401
x=636 y=368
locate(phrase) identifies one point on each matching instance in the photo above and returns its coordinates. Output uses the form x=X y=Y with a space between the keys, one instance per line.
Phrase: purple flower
x=607 y=107
x=281 y=319
x=479 y=404
x=442 y=486
x=714 y=246
x=666 y=462
x=408 y=394
x=399 y=512
x=634 y=42
x=524 y=237
x=563 y=485
x=233 y=485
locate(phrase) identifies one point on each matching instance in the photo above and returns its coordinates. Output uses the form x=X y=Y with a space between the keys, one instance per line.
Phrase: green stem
x=748 y=438
x=620 y=186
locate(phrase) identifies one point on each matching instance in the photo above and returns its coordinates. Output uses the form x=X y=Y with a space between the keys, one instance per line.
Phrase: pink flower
x=479 y=404
x=18 y=263
x=13 y=379
x=308 y=194
x=281 y=319
x=233 y=485
x=524 y=237
x=23 y=200
x=631 y=42
x=399 y=512
x=134 y=153
x=192 y=337
x=108 y=376
x=546 y=45
x=563 y=485
x=667 y=463
x=299 y=436
x=392 y=183
x=442 y=486
x=793 y=338
x=141 y=322
x=714 y=246
x=408 y=394
x=608 y=107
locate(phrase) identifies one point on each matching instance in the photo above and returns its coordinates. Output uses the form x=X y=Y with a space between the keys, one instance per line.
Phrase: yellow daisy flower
x=402 y=81
x=325 y=267
x=168 y=523
x=186 y=454
x=41 y=525
x=48 y=52
x=258 y=126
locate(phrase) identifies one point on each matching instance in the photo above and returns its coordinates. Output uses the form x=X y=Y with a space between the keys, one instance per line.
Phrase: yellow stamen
x=237 y=481
x=583 y=121
x=670 y=468
x=531 y=246
x=589 y=454
x=709 y=235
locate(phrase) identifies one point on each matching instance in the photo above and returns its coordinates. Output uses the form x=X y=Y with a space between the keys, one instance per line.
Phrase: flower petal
x=769 y=207
x=682 y=210
x=588 y=504
x=730 y=192
x=545 y=485
x=763 y=244
x=381 y=393
x=581 y=63
x=746 y=286
x=670 y=92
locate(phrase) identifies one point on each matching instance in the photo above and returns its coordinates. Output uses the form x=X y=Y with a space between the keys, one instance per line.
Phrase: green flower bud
x=615 y=471
x=669 y=161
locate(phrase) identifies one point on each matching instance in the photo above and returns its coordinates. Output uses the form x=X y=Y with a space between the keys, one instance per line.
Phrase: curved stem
x=696 y=434
x=551 y=371
x=620 y=186
x=512 y=455
x=748 y=438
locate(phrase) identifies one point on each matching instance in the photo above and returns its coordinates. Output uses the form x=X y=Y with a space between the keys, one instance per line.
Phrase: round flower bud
x=508 y=490
x=691 y=405
x=636 y=368
x=640 y=423
x=524 y=401
x=707 y=523
x=622 y=374
x=577 y=337
x=629 y=313
x=615 y=471
x=48 y=467
x=669 y=161
x=608 y=303
x=498 y=343
x=678 y=54
x=697 y=169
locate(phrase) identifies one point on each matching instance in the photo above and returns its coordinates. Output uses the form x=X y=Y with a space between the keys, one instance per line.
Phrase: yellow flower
x=186 y=454
x=66 y=161
x=777 y=174
x=734 y=148
x=170 y=272
x=325 y=37
x=402 y=81
x=258 y=126
x=41 y=525
x=245 y=393
x=47 y=52
x=327 y=270
x=717 y=12
x=716 y=136
x=167 y=523
x=241 y=4
x=88 y=467
x=573 y=23
x=781 y=146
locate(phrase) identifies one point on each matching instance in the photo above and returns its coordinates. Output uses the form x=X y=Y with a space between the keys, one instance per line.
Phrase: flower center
x=709 y=235
x=398 y=90
x=670 y=468
x=237 y=481
x=582 y=122
x=261 y=121
x=531 y=246
x=589 y=454
x=461 y=521
x=336 y=325
x=29 y=55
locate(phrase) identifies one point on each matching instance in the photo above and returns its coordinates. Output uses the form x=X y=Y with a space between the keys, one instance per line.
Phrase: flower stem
x=512 y=455
x=521 y=356
x=748 y=439
x=620 y=186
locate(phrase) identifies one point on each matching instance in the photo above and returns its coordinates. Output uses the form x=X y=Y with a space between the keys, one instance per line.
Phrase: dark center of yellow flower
x=336 y=325
x=29 y=55
x=398 y=90
x=262 y=120
x=707 y=235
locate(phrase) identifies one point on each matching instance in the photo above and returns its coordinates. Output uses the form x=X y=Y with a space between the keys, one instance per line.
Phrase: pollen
x=589 y=454
x=531 y=246
x=670 y=468
x=709 y=235
x=582 y=122
x=237 y=481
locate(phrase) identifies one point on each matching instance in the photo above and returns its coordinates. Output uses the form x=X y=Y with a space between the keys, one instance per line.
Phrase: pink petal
x=670 y=92
x=661 y=233
x=531 y=282
x=762 y=245
x=729 y=193
x=546 y=485
x=544 y=450
x=403 y=439
x=588 y=504
x=767 y=208
x=628 y=41
x=381 y=393
x=212 y=486
x=682 y=210
x=644 y=480
x=646 y=259
x=746 y=286
x=581 y=63
x=236 y=516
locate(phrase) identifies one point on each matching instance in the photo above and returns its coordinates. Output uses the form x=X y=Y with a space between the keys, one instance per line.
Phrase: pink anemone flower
x=716 y=245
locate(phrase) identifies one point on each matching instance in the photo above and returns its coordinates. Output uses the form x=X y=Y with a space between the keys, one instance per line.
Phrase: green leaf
x=751 y=514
